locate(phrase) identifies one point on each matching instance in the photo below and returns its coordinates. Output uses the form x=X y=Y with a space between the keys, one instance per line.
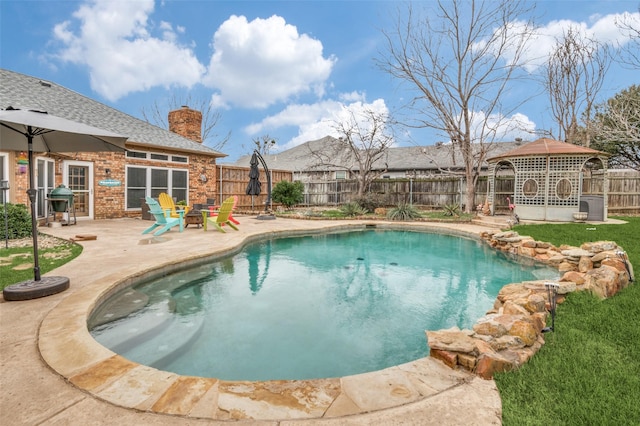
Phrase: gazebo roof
x=545 y=146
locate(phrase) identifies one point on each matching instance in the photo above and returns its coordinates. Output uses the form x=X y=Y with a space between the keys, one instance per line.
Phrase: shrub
x=403 y=211
x=352 y=209
x=288 y=193
x=451 y=210
x=371 y=201
x=18 y=221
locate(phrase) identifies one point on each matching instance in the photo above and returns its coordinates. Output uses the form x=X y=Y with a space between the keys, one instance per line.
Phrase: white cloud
x=352 y=97
x=256 y=64
x=500 y=128
x=113 y=39
x=599 y=27
x=314 y=121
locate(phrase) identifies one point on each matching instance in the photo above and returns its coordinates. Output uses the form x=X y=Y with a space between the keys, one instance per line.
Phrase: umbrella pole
x=32 y=199
x=38 y=287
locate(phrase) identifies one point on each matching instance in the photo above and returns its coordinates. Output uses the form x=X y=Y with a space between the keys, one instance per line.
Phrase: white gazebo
x=548 y=181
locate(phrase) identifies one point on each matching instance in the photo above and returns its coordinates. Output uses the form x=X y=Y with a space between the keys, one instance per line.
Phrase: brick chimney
x=187 y=123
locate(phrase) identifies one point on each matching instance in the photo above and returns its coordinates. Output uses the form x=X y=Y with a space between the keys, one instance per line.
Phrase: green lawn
x=588 y=372
x=16 y=264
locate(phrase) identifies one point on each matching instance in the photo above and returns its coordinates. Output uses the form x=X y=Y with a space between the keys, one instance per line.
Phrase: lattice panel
x=529 y=164
x=564 y=188
x=530 y=188
x=566 y=164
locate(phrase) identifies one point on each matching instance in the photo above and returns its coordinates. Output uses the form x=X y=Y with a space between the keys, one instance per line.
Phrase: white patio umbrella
x=38 y=131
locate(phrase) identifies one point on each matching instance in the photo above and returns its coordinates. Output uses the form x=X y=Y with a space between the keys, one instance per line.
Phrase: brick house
x=108 y=185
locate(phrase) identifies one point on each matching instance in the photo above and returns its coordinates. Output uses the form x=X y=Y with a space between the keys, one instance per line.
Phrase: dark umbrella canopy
x=49 y=133
x=254 y=187
x=41 y=132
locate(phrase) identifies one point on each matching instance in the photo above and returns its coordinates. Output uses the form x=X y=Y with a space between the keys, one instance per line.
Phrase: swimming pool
x=317 y=306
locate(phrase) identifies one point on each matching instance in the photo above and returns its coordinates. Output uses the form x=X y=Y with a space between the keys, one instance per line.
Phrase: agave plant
x=352 y=209
x=451 y=210
x=403 y=211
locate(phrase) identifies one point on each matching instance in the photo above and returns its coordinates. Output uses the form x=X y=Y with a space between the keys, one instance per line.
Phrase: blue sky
x=280 y=68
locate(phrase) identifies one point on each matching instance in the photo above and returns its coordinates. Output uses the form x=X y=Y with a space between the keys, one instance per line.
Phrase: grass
x=22 y=259
x=588 y=371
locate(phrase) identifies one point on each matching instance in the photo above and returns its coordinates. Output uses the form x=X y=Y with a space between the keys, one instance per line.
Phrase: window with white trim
x=158 y=157
x=151 y=181
x=45 y=183
x=4 y=175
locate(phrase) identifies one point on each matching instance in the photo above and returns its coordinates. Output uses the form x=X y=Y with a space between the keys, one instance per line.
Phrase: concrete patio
x=54 y=372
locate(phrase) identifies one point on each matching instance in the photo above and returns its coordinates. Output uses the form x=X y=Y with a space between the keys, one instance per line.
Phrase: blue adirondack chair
x=163 y=221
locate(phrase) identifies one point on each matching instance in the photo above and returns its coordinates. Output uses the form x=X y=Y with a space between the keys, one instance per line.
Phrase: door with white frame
x=78 y=177
x=45 y=181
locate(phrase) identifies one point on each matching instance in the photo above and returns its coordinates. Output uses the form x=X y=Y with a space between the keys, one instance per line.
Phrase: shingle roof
x=430 y=157
x=545 y=146
x=22 y=91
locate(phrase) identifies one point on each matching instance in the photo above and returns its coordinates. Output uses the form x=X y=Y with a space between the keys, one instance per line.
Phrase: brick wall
x=187 y=123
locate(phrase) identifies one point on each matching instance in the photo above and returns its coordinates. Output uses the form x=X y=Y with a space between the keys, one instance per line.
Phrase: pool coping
x=66 y=347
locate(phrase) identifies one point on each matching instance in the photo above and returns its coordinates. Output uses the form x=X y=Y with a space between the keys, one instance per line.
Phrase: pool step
x=175 y=339
x=119 y=306
x=126 y=333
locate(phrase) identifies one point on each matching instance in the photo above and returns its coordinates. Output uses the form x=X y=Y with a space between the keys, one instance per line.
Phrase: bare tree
x=461 y=60
x=263 y=144
x=631 y=50
x=158 y=114
x=616 y=128
x=365 y=137
x=575 y=73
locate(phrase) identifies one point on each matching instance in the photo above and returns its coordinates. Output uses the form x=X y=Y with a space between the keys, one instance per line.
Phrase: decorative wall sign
x=110 y=182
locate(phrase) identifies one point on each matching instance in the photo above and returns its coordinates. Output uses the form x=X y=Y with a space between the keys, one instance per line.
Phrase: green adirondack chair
x=223 y=217
x=163 y=220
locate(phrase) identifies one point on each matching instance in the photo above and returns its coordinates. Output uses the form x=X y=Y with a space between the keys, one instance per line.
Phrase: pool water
x=309 y=307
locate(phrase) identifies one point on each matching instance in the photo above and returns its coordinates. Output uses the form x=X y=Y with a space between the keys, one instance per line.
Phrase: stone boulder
x=510 y=333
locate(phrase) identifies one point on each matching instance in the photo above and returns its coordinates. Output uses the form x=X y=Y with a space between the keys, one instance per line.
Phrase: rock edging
x=511 y=333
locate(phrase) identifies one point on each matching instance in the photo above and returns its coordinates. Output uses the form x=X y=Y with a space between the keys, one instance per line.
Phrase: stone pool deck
x=53 y=372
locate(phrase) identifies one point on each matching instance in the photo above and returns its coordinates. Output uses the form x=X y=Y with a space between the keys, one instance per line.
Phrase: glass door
x=45 y=182
x=78 y=177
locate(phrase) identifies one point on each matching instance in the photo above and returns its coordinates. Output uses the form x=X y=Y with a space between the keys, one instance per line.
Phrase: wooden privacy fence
x=233 y=180
x=433 y=193
x=623 y=193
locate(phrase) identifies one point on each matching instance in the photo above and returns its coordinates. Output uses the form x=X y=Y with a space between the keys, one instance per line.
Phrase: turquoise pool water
x=308 y=307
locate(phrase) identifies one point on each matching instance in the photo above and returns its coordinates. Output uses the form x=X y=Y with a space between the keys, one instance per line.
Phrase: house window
x=179 y=159
x=45 y=181
x=136 y=186
x=158 y=157
x=4 y=175
x=341 y=174
x=136 y=154
x=151 y=181
x=4 y=158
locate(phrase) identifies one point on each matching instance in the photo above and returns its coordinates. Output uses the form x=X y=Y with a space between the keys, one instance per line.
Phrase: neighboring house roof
x=298 y=158
x=431 y=157
x=547 y=146
x=25 y=92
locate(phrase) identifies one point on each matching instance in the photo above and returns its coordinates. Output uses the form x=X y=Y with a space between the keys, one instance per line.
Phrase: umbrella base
x=27 y=290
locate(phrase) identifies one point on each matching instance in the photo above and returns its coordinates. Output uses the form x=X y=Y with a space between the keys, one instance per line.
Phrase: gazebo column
x=491 y=188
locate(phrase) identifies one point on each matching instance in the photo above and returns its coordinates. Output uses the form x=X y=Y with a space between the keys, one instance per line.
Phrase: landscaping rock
x=450 y=340
x=511 y=332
